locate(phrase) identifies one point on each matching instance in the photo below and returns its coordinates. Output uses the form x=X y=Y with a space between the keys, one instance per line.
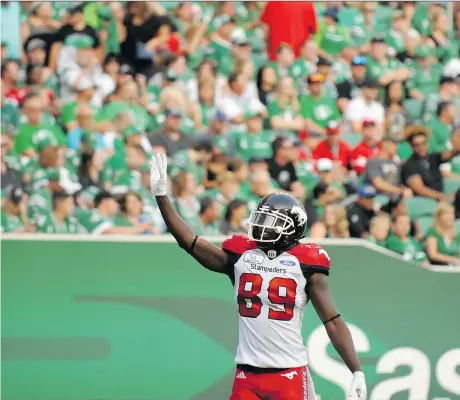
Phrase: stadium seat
x=421 y=206
x=414 y=109
x=382 y=199
x=352 y=139
x=451 y=185
x=404 y=151
x=425 y=223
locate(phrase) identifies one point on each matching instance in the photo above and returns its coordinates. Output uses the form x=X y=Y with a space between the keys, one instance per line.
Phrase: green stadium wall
x=117 y=318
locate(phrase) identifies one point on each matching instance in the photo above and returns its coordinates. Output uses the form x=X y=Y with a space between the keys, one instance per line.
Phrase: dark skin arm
x=208 y=255
x=338 y=332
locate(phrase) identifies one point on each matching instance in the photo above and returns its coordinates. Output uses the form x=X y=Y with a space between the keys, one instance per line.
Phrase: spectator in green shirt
x=317 y=108
x=332 y=38
x=383 y=68
x=426 y=75
x=441 y=128
x=33 y=135
x=60 y=219
x=306 y=63
x=220 y=46
x=447 y=91
x=400 y=242
x=255 y=141
x=283 y=109
x=11 y=220
x=395 y=36
x=442 y=242
x=284 y=60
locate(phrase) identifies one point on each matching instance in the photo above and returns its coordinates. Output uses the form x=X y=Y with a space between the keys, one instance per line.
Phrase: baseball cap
x=332 y=12
x=174 y=112
x=239 y=37
x=15 y=195
x=203 y=142
x=323 y=61
x=370 y=83
x=219 y=116
x=222 y=20
x=127 y=69
x=332 y=127
x=131 y=131
x=315 y=78
x=256 y=160
x=171 y=75
x=76 y=9
x=35 y=44
x=359 y=60
x=378 y=38
x=368 y=122
x=367 y=191
x=324 y=165
x=423 y=52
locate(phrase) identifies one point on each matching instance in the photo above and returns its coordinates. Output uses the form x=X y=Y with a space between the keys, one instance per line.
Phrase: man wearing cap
x=240 y=50
x=382 y=68
x=369 y=147
x=447 y=91
x=317 y=108
x=60 y=219
x=99 y=220
x=427 y=74
x=364 y=107
x=331 y=38
x=421 y=172
x=170 y=135
x=220 y=45
x=219 y=134
x=351 y=88
x=441 y=127
x=361 y=212
x=383 y=173
x=72 y=32
x=254 y=140
x=333 y=147
x=327 y=190
x=192 y=160
x=11 y=219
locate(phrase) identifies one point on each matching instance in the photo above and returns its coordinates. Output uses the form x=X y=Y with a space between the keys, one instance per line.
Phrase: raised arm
x=208 y=255
x=338 y=332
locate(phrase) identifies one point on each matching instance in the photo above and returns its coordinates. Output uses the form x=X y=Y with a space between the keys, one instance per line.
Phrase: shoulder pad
x=312 y=255
x=238 y=244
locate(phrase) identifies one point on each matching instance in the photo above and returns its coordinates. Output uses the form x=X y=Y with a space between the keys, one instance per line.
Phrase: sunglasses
x=359 y=60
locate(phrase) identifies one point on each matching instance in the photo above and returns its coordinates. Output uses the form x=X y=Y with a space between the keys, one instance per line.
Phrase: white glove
x=158 y=176
x=358 y=387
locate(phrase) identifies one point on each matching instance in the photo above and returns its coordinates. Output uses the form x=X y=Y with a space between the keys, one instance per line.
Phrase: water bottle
x=142 y=219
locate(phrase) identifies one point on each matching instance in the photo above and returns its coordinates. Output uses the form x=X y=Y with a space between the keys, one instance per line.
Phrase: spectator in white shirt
x=238 y=100
x=365 y=107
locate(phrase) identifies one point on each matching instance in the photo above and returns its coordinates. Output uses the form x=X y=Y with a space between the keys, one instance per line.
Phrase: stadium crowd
x=354 y=110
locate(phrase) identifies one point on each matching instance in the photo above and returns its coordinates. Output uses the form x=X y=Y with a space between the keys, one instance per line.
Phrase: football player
x=274 y=276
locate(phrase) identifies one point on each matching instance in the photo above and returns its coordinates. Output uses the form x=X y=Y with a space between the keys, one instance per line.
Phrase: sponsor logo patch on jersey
x=287 y=263
x=254 y=258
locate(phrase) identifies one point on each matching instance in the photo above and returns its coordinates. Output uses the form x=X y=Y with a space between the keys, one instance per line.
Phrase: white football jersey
x=271 y=298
